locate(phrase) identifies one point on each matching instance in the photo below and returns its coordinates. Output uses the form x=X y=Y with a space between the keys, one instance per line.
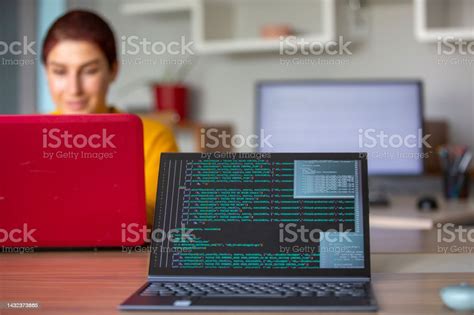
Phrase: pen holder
x=456 y=186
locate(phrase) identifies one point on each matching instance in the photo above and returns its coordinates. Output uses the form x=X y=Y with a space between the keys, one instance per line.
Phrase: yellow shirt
x=157 y=138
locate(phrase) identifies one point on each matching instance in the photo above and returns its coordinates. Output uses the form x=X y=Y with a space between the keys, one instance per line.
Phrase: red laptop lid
x=71 y=181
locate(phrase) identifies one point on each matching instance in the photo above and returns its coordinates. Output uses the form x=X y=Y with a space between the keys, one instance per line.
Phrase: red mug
x=171 y=97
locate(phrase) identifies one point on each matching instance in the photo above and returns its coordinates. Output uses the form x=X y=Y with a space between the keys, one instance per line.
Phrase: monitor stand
x=379 y=200
x=378 y=196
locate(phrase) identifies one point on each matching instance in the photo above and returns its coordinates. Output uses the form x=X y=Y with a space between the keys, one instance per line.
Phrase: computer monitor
x=382 y=118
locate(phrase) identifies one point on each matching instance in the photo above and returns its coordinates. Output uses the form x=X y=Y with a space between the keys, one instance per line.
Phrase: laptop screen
x=261 y=214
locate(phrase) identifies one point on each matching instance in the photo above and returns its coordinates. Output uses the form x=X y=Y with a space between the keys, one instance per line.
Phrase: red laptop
x=71 y=181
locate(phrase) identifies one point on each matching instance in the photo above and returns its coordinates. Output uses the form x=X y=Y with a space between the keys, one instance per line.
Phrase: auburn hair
x=81 y=25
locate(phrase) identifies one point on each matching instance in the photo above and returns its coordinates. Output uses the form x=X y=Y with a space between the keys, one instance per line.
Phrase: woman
x=80 y=58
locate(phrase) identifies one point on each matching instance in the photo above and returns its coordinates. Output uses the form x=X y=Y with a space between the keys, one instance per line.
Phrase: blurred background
x=389 y=39
x=239 y=66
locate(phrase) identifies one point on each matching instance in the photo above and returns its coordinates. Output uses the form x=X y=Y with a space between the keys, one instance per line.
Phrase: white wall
x=225 y=84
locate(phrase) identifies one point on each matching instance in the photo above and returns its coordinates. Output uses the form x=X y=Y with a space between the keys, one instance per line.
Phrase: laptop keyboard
x=270 y=289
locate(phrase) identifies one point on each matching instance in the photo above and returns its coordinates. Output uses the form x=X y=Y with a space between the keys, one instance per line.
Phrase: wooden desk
x=416 y=241
x=396 y=237
x=405 y=241
x=403 y=214
x=96 y=282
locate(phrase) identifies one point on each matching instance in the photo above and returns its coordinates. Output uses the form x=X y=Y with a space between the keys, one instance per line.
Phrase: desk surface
x=96 y=282
x=403 y=214
x=410 y=241
x=404 y=238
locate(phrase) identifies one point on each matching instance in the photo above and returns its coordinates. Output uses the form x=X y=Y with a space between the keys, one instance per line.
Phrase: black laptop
x=258 y=232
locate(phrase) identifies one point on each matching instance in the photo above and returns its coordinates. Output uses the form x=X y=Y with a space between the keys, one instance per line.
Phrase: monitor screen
x=261 y=214
x=381 y=118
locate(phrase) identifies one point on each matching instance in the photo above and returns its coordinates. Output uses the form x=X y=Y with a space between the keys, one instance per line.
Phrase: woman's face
x=78 y=77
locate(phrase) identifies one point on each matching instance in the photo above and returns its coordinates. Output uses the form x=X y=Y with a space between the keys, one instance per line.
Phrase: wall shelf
x=444 y=19
x=157 y=7
x=233 y=26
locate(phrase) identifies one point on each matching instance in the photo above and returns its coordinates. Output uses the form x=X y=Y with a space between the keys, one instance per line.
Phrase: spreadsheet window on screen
x=383 y=119
x=246 y=215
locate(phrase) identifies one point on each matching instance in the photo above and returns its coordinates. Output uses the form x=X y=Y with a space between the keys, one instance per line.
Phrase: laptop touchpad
x=182 y=303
